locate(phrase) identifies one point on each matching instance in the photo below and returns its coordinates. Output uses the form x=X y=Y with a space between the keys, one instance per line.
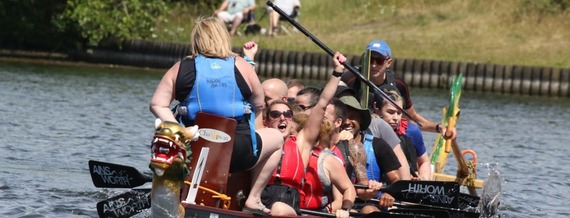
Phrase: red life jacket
x=290 y=170
x=313 y=193
x=401 y=130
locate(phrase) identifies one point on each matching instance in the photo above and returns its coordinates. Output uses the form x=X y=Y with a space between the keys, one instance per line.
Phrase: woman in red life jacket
x=282 y=193
x=278 y=116
x=326 y=180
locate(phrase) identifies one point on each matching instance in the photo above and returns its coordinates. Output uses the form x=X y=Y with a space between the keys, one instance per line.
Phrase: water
x=56 y=118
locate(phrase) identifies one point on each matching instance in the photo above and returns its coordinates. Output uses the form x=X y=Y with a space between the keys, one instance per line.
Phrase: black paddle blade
x=421 y=212
x=453 y=212
x=445 y=194
x=467 y=200
x=125 y=205
x=108 y=175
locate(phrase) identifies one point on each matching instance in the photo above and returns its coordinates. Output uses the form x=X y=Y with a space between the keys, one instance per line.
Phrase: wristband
x=337 y=74
x=246 y=58
x=437 y=128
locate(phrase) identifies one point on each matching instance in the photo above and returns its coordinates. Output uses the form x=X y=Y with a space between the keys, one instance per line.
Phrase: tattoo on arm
x=358 y=160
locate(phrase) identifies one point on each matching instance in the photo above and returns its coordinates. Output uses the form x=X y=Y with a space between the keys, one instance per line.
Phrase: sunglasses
x=378 y=60
x=303 y=107
x=276 y=114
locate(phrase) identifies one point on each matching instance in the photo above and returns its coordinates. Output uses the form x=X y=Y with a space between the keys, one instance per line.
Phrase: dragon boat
x=191 y=172
x=190 y=178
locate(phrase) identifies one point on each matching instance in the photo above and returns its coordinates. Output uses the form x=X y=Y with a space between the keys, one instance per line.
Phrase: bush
x=103 y=21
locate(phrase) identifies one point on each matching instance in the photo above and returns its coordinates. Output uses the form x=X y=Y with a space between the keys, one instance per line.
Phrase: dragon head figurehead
x=170 y=147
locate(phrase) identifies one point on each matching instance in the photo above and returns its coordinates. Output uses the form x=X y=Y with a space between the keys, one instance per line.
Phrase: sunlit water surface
x=56 y=118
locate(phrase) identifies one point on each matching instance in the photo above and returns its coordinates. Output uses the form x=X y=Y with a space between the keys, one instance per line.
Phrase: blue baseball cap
x=381 y=47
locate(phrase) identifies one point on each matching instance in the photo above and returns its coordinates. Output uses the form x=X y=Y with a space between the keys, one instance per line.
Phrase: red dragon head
x=170 y=145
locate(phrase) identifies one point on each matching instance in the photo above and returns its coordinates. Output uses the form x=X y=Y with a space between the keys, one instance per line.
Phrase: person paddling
x=416 y=154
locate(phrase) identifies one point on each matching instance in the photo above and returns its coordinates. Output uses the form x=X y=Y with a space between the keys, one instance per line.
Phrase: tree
x=103 y=21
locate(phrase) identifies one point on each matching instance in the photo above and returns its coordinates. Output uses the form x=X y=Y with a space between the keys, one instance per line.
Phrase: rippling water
x=56 y=118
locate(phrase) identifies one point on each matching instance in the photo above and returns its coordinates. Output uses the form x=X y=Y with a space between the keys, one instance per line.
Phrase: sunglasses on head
x=276 y=114
x=378 y=60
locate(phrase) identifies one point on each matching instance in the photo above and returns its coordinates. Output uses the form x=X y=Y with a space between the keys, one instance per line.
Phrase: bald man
x=274 y=89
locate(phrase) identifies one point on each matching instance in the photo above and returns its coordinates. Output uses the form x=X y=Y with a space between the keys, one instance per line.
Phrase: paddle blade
x=445 y=194
x=421 y=212
x=125 y=205
x=108 y=175
x=467 y=200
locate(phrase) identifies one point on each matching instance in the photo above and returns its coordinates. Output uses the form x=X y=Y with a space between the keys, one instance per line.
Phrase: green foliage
x=28 y=24
x=113 y=20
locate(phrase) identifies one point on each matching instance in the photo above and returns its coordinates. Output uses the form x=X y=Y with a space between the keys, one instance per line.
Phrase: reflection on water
x=56 y=118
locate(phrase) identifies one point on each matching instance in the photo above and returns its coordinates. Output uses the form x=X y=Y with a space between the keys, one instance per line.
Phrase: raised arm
x=428 y=125
x=310 y=132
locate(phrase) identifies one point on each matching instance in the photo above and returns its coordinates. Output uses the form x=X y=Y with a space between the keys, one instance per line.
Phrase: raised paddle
x=125 y=205
x=331 y=53
x=108 y=175
x=444 y=194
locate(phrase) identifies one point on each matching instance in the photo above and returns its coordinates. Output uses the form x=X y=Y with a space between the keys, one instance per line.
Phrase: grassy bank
x=516 y=32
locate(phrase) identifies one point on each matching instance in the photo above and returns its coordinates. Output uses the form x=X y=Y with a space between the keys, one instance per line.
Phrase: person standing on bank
x=214 y=80
x=380 y=74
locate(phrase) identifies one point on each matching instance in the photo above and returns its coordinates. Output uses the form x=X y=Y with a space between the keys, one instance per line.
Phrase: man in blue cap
x=381 y=76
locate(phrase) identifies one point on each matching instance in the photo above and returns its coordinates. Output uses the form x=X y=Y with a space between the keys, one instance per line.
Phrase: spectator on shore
x=287 y=6
x=234 y=11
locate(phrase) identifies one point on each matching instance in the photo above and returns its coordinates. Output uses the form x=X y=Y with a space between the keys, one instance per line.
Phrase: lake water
x=56 y=118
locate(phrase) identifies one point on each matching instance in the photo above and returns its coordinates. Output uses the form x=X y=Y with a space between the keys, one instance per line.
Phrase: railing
x=521 y=80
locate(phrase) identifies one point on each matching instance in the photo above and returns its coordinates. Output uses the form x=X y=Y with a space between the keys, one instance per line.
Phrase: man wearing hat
x=357 y=121
x=381 y=158
x=381 y=75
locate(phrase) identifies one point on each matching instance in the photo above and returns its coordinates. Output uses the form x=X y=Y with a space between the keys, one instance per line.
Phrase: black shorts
x=242 y=156
x=281 y=193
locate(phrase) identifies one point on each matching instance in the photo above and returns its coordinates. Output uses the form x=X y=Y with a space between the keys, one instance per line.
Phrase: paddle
x=373 y=214
x=467 y=200
x=108 y=175
x=331 y=53
x=444 y=194
x=453 y=212
x=125 y=205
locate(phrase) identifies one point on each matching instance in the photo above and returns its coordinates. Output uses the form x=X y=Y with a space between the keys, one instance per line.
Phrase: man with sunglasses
x=307 y=98
x=381 y=75
x=294 y=86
